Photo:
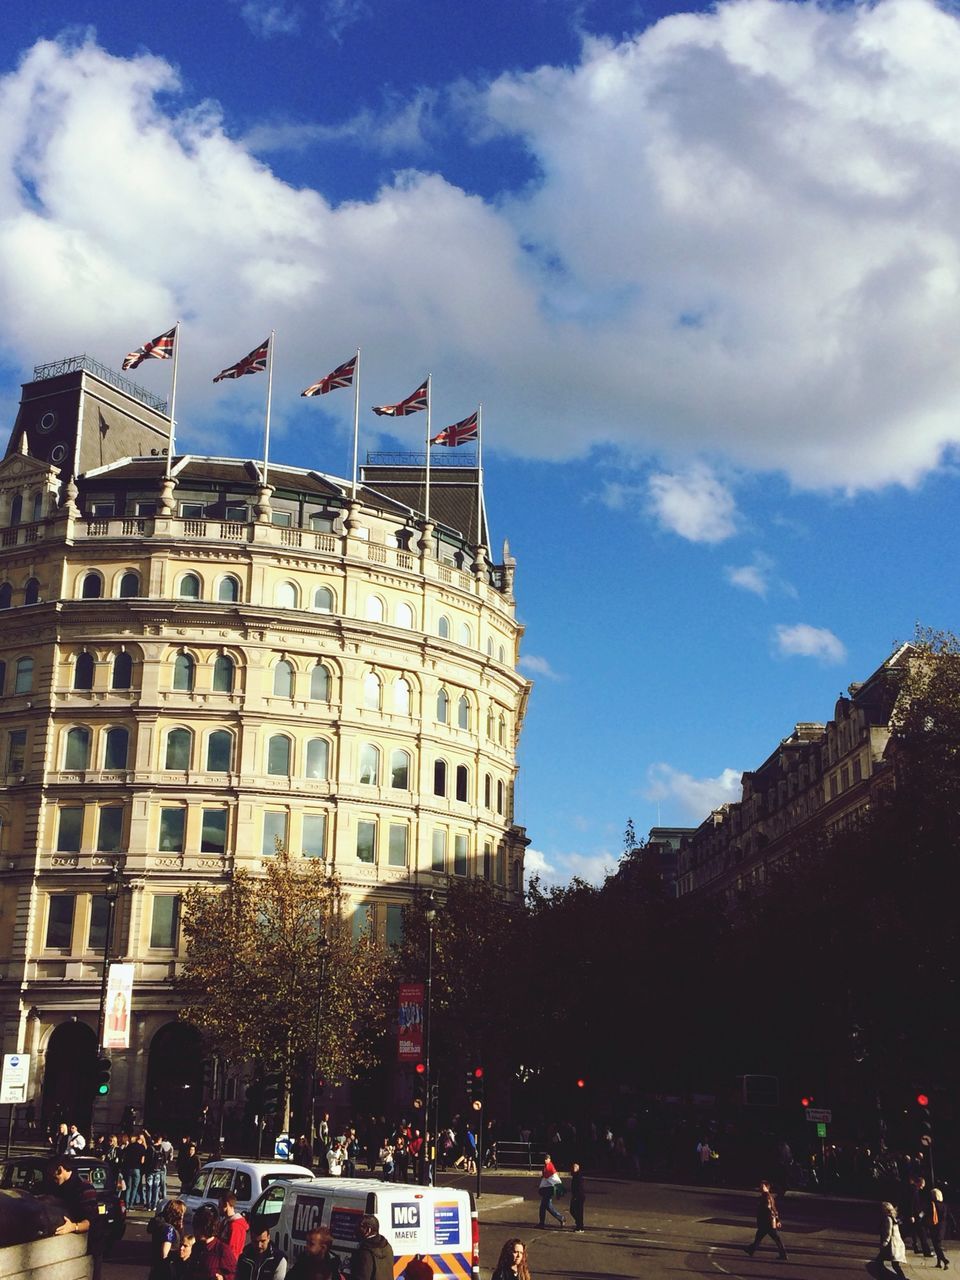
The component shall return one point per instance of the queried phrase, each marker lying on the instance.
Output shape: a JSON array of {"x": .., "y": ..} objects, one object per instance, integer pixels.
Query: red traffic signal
[
  {"x": 807, "y": 1102},
  {"x": 420, "y": 1068},
  {"x": 478, "y": 1073},
  {"x": 581, "y": 1083},
  {"x": 922, "y": 1100}
]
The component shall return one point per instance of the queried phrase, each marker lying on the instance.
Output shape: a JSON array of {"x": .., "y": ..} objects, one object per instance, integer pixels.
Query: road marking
[
  {"x": 715, "y": 1263},
  {"x": 500, "y": 1204}
]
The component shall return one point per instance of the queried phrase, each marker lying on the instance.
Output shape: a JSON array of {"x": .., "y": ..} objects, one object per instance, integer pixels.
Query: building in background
[{"x": 195, "y": 664}]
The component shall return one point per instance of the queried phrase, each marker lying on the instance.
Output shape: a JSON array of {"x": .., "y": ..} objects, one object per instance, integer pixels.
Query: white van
[{"x": 439, "y": 1223}]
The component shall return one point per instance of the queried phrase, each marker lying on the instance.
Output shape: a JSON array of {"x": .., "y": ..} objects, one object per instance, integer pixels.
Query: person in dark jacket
[
  {"x": 77, "y": 1198},
  {"x": 577, "y": 1196},
  {"x": 209, "y": 1258},
  {"x": 372, "y": 1259},
  {"x": 188, "y": 1166},
  {"x": 768, "y": 1221},
  {"x": 261, "y": 1260},
  {"x": 512, "y": 1263},
  {"x": 317, "y": 1261},
  {"x": 936, "y": 1212}
]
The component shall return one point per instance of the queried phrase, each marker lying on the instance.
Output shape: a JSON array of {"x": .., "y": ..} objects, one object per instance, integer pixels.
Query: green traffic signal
[{"x": 104, "y": 1066}]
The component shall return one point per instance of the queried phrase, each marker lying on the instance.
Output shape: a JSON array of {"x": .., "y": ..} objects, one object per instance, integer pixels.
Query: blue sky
[{"x": 701, "y": 267}]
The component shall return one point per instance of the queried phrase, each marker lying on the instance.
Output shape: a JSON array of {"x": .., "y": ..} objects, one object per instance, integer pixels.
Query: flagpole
[
  {"x": 429, "y": 398},
  {"x": 266, "y": 430},
  {"x": 479, "y": 473},
  {"x": 356, "y": 423},
  {"x": 173, "y": 397}
]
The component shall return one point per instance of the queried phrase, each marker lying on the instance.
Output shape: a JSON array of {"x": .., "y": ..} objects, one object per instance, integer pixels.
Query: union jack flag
[
  {"x": 159, "y": 349},
  {"x": 459, "y": 433},
  {"x": 415, "y": 401},
  {"x": 342, "y": 376},
  {"x": 255, "y": 362}
]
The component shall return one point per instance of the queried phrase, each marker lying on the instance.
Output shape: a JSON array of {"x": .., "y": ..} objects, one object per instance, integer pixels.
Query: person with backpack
[{"x": 153, "y": 1162}]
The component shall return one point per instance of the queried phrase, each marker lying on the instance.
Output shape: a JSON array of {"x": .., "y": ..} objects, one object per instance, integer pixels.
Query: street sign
[
  {"x": 13, "y": 1082},
  {"x": 820, "y": 1115},
  {"x": 821, "y": 1130},
  {"x": 283, "y": 1147}
]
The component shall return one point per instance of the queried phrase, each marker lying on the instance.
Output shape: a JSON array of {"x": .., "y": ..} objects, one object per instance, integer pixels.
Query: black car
[{"x": 26, "y": 1173}]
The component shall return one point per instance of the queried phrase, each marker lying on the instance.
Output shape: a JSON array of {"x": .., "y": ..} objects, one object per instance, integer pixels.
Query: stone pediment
[{"x": 19, "y": 469}]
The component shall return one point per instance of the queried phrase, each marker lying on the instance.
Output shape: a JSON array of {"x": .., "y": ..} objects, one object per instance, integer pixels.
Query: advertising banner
[
  {"x": 116, "y": 1023},
  {"x": 410, "y": 1022}
]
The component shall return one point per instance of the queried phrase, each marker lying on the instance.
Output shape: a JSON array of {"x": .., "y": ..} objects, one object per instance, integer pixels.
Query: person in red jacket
[
  {"x": 210, "y": 1258},
  {"x": 233, "y": 1225}
]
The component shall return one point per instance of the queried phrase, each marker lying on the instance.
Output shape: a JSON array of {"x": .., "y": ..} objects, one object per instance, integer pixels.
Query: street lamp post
[
  {"x": 321, "y": 975},
  {"x": 430, "y": 1136},
  {"x": 114, "y": 880}
]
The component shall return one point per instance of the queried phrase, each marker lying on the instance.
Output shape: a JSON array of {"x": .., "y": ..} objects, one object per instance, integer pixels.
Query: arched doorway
[
  {"x": 174, "y": 1094},
  {"x": 68, "y": 1076}
]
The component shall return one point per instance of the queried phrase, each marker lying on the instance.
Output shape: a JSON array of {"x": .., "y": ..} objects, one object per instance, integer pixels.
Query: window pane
[
  {"x": 369, "y": 764},
  {"x": 70, "y": 828},
  {"x": 171, "y": 830},
  {"x": 228, "y": 591},
  {"x": 397, "y": 856},
  {"x": 219, "y": 751},
  {"x": 60, "y": 920},
  {"x": 443, "y": 627},
  {"x": 487, "y": 861},
  {"x": 371, "y": 691},
  {"x": 462, "y": 781},
  {"x": 439, "y": 849},
  {"x": 83, "y": 671},
  {"x": 163, "y": 924},
  {"x": 463, "y": 713},
  {"x": 115, "y": 755},
  {"x": 362, "y": 922},
  {"x": 110, "y": 829},
  {"x": 190, "y": 587},
  {"x": 129, "y": 586},
  {"x": 285, "y": 595},
  {"x": 317, "y": 758},
  {"x": 278, "y": 756},
  {"x": 374, "y": 609},
  {"x": 459, "y": 855},
  {"x": 439, "y": 778},
  {"x": 223, "y": 675},
  {"x": 323, "y": 600},
  {"x": 401, "y": 698},
  {"x": 314, "y": 835},
  {"x": 237, "y": 513},
  {"x": 213, "y": 832},
  {"x": 92, "y": 587},
  {"x": 77, "y": 754},
  {"x": 400, "y": 770},
  {"x": 394, "y": 925},
  {"x": 442, "y": 702},
  {"x": 183, "y": 672},
  {"x": 178, "y": 749},
  {"x": 16, "y": 750},
  {"x": 320, "y": 683},
  {"x": 366, "y": 841},
  {"x": 284, "y": 518},
  {"x": 24, "y": 677},
  {"x": 122, "y": 676},
  {"x": 274, "y": 829},
  {"x": 283, "y": 680},
  {"x": 99, "y": 914}
]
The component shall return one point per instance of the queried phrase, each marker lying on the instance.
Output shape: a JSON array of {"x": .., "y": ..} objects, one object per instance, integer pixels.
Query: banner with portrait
[
  {"x": 116, "y": 1022},
  {"x": 410, "y": 1022}
]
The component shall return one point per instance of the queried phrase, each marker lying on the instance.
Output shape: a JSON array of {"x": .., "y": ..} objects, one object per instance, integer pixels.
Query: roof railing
[{"x": 72, "y": 364}]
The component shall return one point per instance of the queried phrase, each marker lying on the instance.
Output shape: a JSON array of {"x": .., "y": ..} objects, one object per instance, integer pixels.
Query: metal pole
[
  {"x": 429, "y": 1141},
  {"x": 322, "y": 957},
  {"x": 10, "y": 1130},
  {"x": 480, "y": 1142},
  {"x": 113, "y": 893}
]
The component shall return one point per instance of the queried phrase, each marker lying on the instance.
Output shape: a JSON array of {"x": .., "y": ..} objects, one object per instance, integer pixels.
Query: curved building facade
[{"x": 199, "y": 661}]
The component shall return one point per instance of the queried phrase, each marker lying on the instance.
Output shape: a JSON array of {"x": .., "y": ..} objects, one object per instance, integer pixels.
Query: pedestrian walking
[
  {"x": 892, "y": 1248},
  {"x": 768, "y": 1222},
  {"x": 512, "y": 1263},
  {"x": 549, "y": 1182},
  {"x": 188, "y": 1166},
  {"x": 578, "y": 1196},
  {"x": 372, "y": 1259},
  {"x": 936, "y": 1216},
  {"x": 132, "y": 1160},
  {"x": 152, "y": 1165}
]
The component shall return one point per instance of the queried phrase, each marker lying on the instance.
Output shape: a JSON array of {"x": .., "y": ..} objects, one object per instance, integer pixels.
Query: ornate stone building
[{"x": 195, "y": 663}]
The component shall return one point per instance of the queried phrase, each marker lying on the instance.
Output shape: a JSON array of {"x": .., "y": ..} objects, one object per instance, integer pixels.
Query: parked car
[
  {"x": 27, "y": 1173},
  {"x": 246, "y": 1179}
]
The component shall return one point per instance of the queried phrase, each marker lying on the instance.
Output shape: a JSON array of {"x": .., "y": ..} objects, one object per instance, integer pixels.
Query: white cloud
[
  {"x": 694, "y": 504},
  {"x": 696, "y": 797},
  {"x": 398, "y": 127},
  {"x": 270, "y": 17},
  {"x": 536, "y": 666},
  {"x": 754, "y": 577},
  {"x": 561, "y": 868},
  {"x": 740, "y": 245},
  {"x": 804, "y": 641}
]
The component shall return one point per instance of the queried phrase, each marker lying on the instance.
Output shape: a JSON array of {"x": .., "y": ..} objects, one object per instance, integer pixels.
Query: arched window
[
  {"x": 23, "y": 680},
  {"x": 117, "y": 743},
  {"x": 121, "y": 677},
  {"x": 83, "y": 671},
  {"x": 219, "y": 751},
  {"x": 92, "y": 587},
  {"x": 517, "y": 876},
  {"x": 77, "y": 754},
  {"x": 401, "y": 697},
  {"x": 228, "y": 590},
  {"x": 6, "y": 595},
  {"x": 189, "y": 587},
  {"x": 318, "y": 756},
  {"x": 400, "y": 770},
  {"x": 501, "y": 654},
  {"x": 491, "y": 724},
  {"x": 405, "y": 615},
  {"x": 223, "y": 674},
  {"x": 463, "y": 633},
  {"x": 487, "y": 791},
  {"x": 443, "y": 706},
  {"x": 16, "y": 509},
  {"x": 369, "y": 764},
  {"x": 278, "y": 756},
  {"x": 501, "y": 731},
  {"x": 323, "y": 600},
  {"x": 179, "y": 742},
  {"x": 129, "y": 585},
  {"x": 499, "y": 795},
  {"x": 283, "y": 679},
  {"x": 374, "y": 609},
  {"x": 439, "y": 777},
  {"x": 286, "y": 595},
  {"x": 183, "y": 672},
  {"x": 320, "y": 683},
  {"x": 463, "y": 712},
  {"x": 443, "y": 627},
  {"x": 37, "y": 506},
  {"x": 489, "y": 646},
  {"x": 371, "y": 691},
  {"x": 3, "y": 678},
  {"x": 462, "y": 782},
  {"x": 31, "y": 592}
]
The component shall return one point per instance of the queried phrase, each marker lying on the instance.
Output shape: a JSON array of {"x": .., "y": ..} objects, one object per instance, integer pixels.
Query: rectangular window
[
  {"x": 283, "y": 518},
  {"x": 366, "y": 841},
  {"x": 101, "y": 510},
  {"x": 60, "y": 921},
  {"x": 145, "y": 508},
  {"x": 16, "y": 750},
  {"x": 857, "y": 769},
  {"x": 399, "y": 834},
  {"x": 192, "y": 510},
  {"x": 213, "y": 831},
  {"x": 833, "y": 785},
  {"x": 488, "y": 860},
  {"x": 844, "y": 778},
  {"x": 394, "y": 925},
  {"x": 274, "y": 829},
  {"x": 314, "y": 835},
  {"x": 99, "y": 915},
  {"x": 237, "y": 513},
  {"x": 321, "y": 524},
  {"x": 459, "y": 855},
  {"x": 501, "y": 866},
  {"x": 110, "y": 829},
  {"x": 362, "y": 921},
  {"x": 171, "y": 830},
  {"x": 164, "y": 921},
  {"x": 439, "y": 850},
  {"x": 70, "y": 829}
]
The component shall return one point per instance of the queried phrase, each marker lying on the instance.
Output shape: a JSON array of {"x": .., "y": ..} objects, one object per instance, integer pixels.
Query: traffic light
[
  {"x": 469, "y": 1085},
  {"x": 923, "y": 1117},
  {"x": 420, "y": 1086},
  {"x": 102, "y": 1078},
  {"x": 581, "y": 1083},
  {"x": 807, "y": 1101},
  {"x": 321, "y": 1087},
  {"x": 272, "y": 1084},
  {"x": 477, "y": 1088}
]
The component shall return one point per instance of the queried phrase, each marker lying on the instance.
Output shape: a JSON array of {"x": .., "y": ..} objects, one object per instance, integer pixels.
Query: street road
[{"x": 643, "y": 1231}]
